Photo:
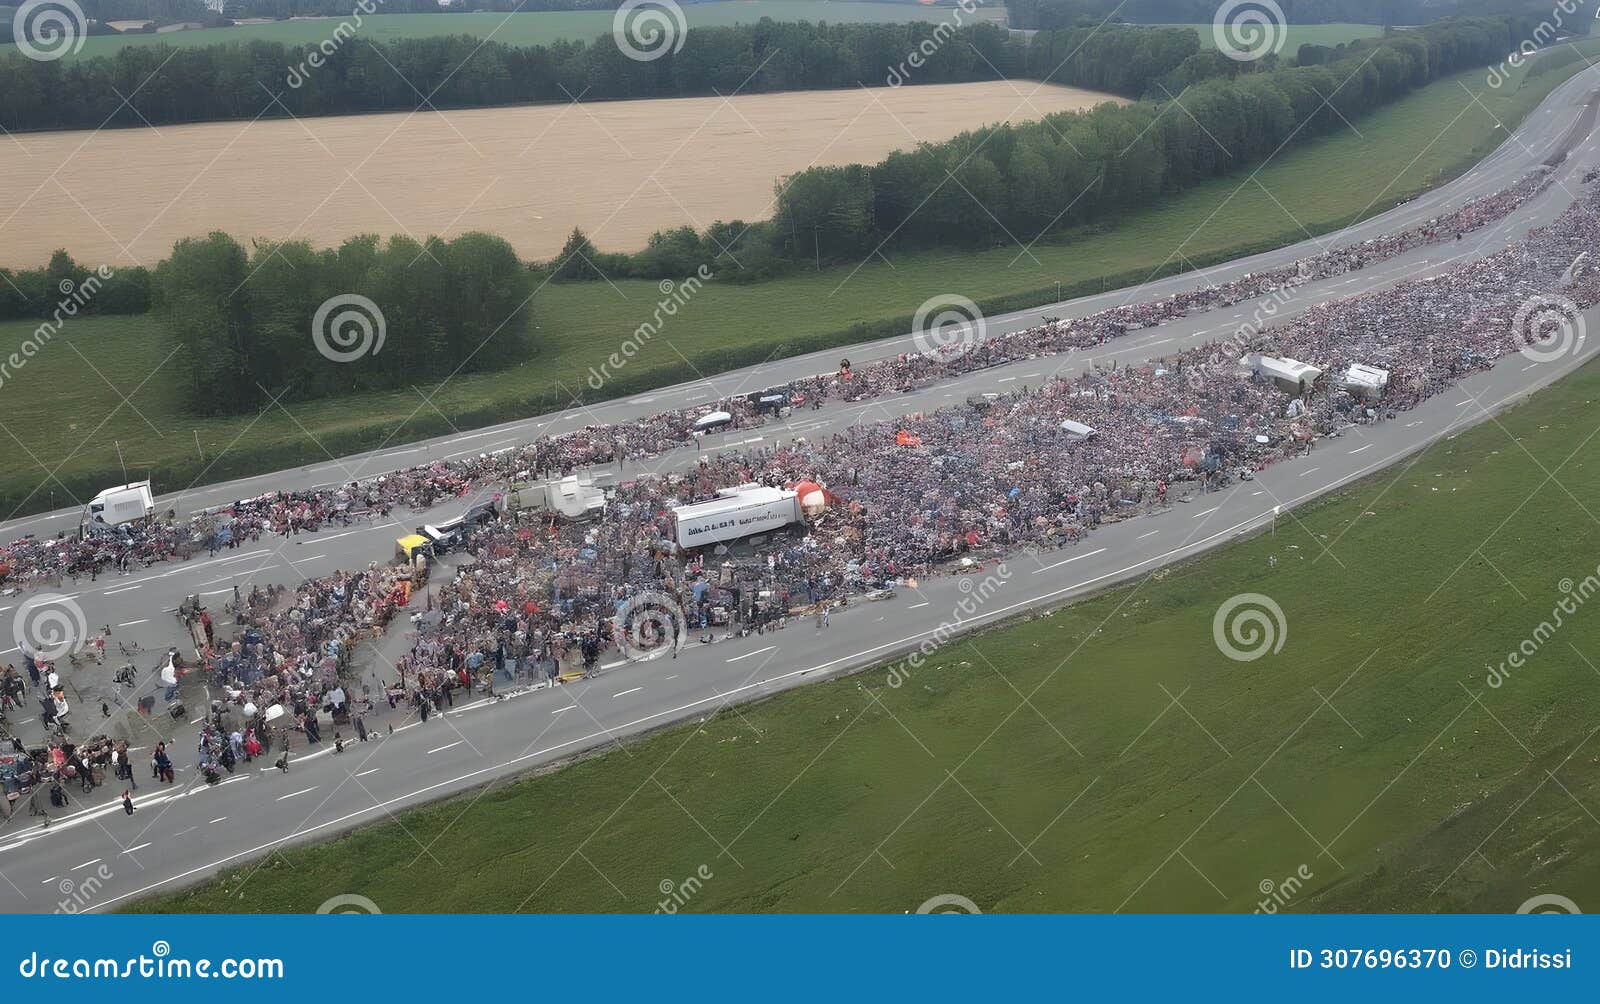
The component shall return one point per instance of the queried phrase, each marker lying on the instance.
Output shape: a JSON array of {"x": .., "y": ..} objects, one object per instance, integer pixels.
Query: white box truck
[
  {"x": 735, "y": 513},
  {"x": 122, "y": 504}
]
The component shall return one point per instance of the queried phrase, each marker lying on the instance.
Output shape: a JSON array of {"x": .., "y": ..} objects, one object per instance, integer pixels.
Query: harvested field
[{"x": 620, "y": 170}]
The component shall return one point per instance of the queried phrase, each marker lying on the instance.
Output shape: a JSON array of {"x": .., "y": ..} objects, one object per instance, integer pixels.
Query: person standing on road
[
  {"x": 127, "y": 803},
  {"x": 162, "y": 763}
]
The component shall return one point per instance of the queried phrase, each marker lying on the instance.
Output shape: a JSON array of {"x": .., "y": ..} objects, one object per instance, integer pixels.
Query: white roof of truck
[
  {"x": 1281, "y": 367},
  {"x": 732, "y": 498}
]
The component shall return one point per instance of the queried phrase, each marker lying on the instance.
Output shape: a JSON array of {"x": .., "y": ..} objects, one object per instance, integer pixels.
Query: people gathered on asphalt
[{"x": 540, "y": 598}]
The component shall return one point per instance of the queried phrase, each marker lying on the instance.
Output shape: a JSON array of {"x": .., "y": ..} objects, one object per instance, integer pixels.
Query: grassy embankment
[
  {"x": 68, "y": 418},
  {"x": 1370, "y": 753}
]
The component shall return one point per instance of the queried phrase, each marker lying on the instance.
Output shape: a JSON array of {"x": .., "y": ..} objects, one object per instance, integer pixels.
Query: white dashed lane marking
[
  {"x": 292, "y": 794},
  {"x": 631, "y": 690},
  {"x": 1068, "y": 561},
  {"x": 749, "y": 654},
  {"x": 447, "y": 746}
]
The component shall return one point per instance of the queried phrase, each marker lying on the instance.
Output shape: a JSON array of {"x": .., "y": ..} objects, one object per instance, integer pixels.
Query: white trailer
[
  {"x": 122, "y": 504},
  {"x": 1076, "y": 429},
  {"x": 735, "y": 513},
  {"x": 1365, "y": 381},
  {"x": 1291, "y": 375}
]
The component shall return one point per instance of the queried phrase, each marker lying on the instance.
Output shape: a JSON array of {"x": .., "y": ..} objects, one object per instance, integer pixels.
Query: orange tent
[{"x": 905, "y": 438}]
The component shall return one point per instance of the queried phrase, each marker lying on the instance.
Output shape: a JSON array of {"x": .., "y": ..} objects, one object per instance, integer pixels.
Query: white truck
[
  {"x": 573, "y": 497},
  {"x": 734, "y": 513},
  {"x": 122, "y": 504}
]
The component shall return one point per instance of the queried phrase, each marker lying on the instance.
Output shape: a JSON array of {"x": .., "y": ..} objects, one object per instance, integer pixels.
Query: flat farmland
[{"x": 620, "y": 170}]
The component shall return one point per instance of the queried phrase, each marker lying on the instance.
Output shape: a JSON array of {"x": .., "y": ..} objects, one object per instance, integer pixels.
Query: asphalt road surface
[{"x": 184, "y": 833}]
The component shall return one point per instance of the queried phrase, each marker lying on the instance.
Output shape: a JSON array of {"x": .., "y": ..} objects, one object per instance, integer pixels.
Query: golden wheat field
[{"x": 620, "y": 170}]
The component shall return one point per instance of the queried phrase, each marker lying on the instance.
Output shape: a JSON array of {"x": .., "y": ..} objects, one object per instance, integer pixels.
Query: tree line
[
  {"x": 226, "y": 81},
  {"x": 288, "y": 319},
  {"x": 1070, "y": 13},
  {"x": 35, "y": 293},
  {"x": 1020, "y": 182}
]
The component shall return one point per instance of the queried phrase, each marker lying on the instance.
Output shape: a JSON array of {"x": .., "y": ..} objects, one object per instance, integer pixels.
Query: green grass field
[
  {"x": 1369, "y": 753},
  {"x": 520, "y": 28},
  {"x": 1300, "y": 34},
  {"x": 62, "y": 422}
]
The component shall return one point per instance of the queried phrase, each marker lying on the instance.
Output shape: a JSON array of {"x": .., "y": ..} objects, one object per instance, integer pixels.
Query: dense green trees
[
  {"x": 1069, "y": 13},
  {"x": 1017, "y": 182},
  {"x": 35, "y": 293},
  {"x": 226, "y": 81},
  {"x": 309, "y": 323}
]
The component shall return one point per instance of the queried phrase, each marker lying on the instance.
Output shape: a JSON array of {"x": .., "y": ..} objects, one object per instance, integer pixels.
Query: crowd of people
[
  {"x": 32, "y": 560},
  {"x": 977, "y": 479},
  {"x": 910, "y": 497}
]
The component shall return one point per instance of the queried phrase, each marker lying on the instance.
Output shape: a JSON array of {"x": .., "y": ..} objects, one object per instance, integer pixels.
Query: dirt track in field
[{"x": 620, "y": 170}]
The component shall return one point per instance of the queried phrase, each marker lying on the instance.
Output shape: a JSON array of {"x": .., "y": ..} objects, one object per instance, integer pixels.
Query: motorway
[{"x": 186, "y": 833}]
